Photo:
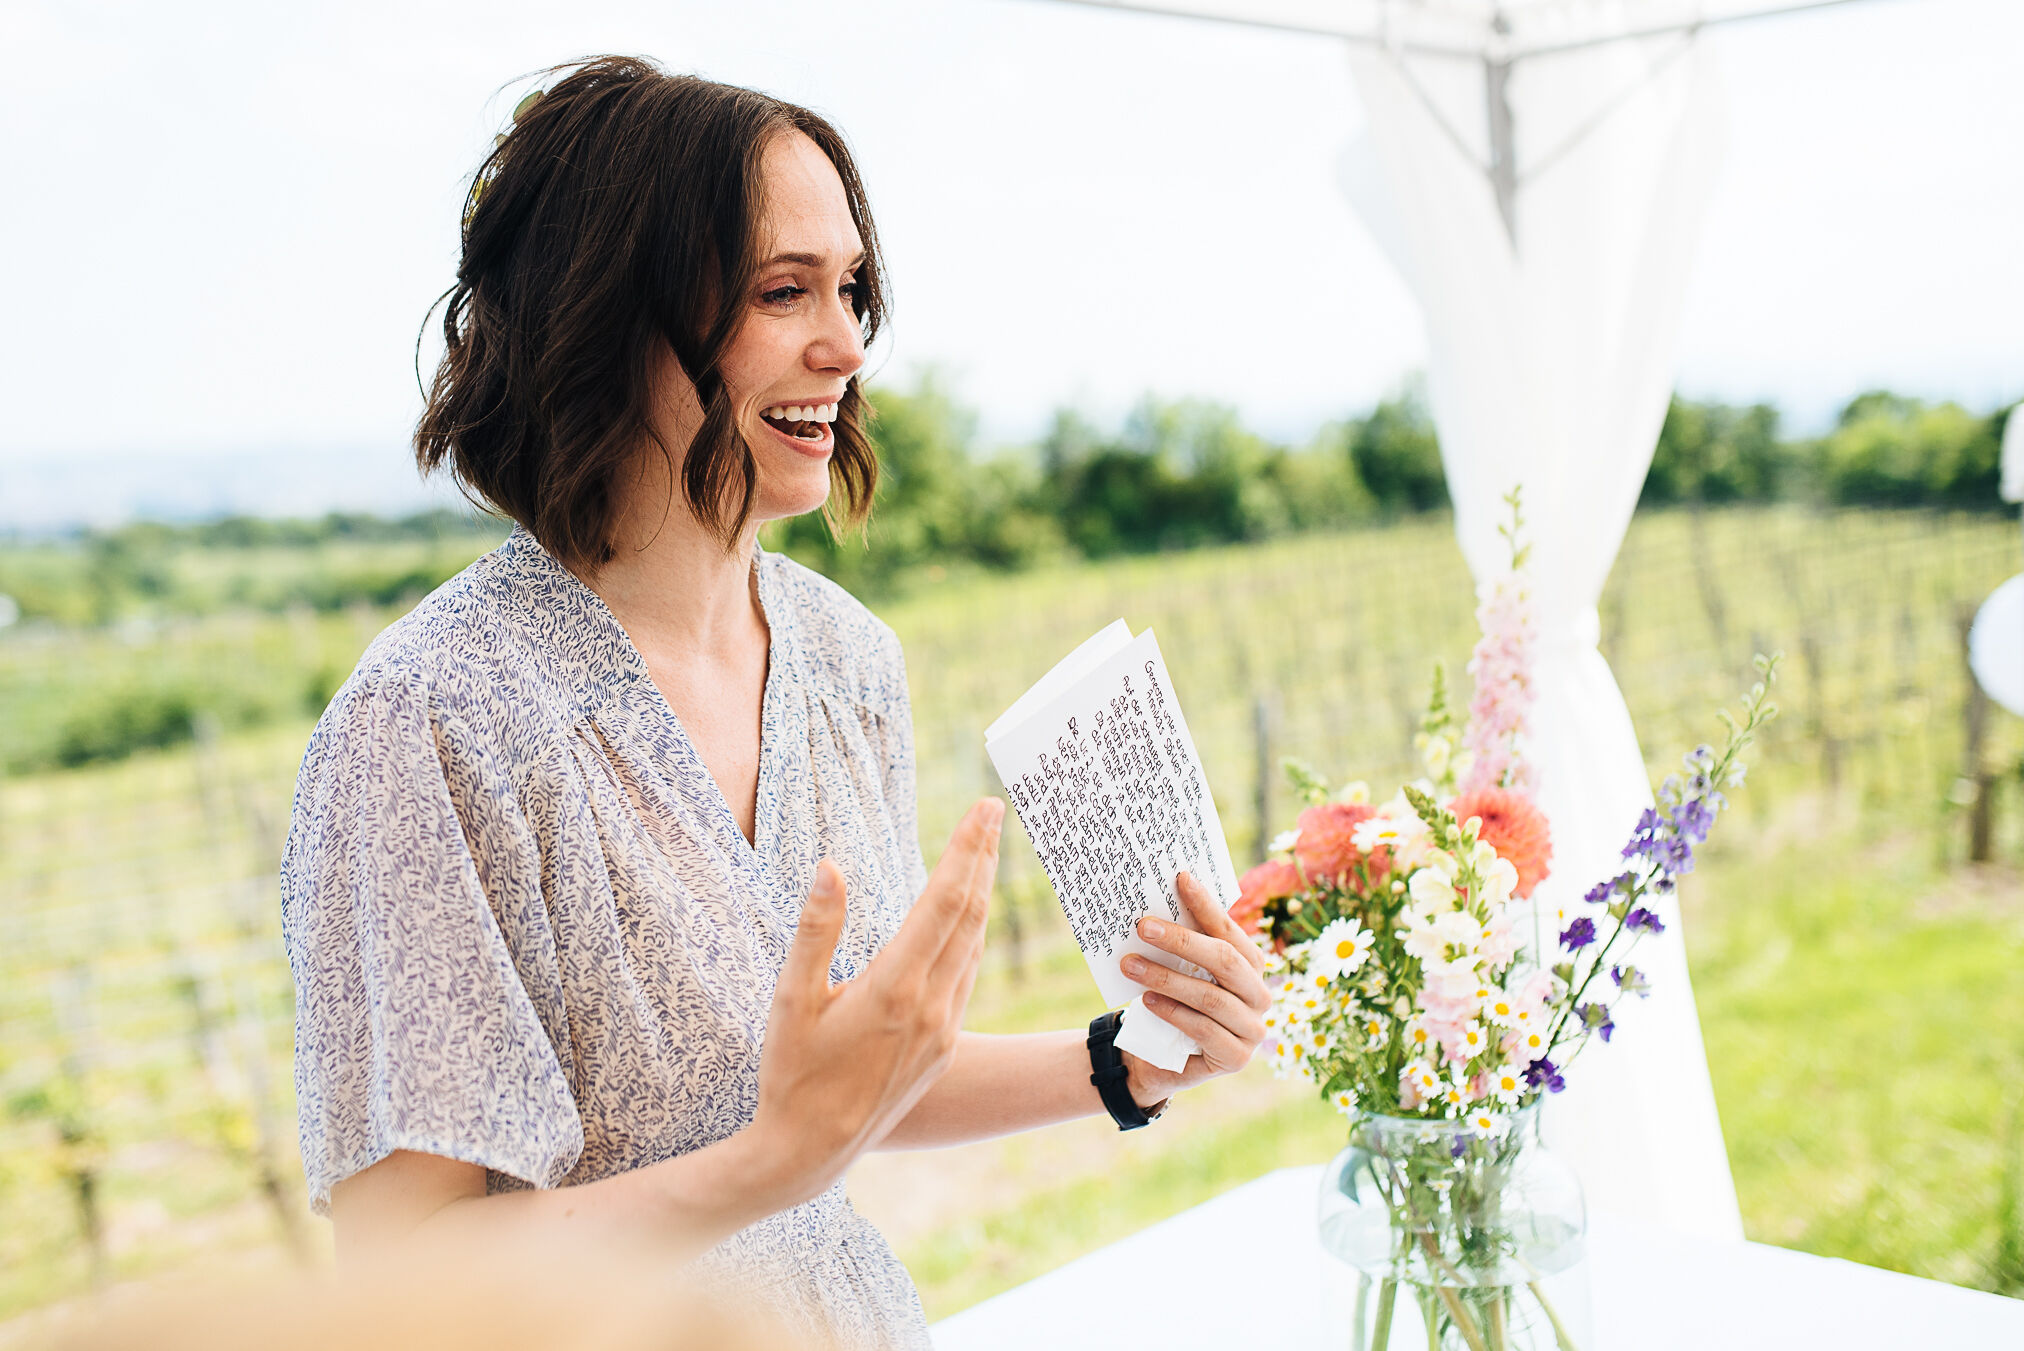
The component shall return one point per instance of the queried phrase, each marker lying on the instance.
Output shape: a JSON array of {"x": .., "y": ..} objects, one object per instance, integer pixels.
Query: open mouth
[{"x": 803, "y": 422}]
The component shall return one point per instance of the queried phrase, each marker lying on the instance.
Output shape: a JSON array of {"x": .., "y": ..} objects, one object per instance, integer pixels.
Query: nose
[{"x": 838, "y": 346}]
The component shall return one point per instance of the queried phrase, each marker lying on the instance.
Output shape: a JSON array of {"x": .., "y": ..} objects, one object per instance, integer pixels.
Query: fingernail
[
  {"x": 1152, "y": 928},
  {"x": 824, "y": 889},
  {"x": 1134, "y": 966}
]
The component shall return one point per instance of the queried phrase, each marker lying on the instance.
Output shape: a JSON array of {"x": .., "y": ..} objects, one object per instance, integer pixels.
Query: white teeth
[{"x": 801, "y": 412}]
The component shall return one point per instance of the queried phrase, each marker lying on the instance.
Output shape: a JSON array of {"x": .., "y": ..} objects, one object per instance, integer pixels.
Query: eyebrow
[{"x": 808, "y": 259}]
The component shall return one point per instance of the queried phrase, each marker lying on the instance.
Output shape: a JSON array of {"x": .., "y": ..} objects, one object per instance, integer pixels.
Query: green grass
[
  {"x": 1864, "y": 1018},
  {"x": 1859, "y": 997}
]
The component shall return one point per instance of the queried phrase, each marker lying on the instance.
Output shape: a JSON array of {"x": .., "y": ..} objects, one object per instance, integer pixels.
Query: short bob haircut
[{"x": 616, "y": 220}]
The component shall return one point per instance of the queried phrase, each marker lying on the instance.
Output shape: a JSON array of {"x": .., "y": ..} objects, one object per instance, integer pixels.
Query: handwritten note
[{"x": 1097, "y": 760}]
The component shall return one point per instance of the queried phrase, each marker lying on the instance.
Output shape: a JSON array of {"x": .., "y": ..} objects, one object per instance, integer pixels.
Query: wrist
[
  {"x": 767, "y": 1173},
  {"x": 1136, "y": 1081}
]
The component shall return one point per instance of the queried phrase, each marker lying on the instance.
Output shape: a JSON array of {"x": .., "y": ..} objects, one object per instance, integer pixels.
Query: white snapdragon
[{"x": 1433, "y": 887}]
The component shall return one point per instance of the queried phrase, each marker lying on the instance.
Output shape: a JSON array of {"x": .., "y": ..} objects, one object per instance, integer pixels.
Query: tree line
[
  {"x": 1172, "y": 475},
  {"x": 1186, "y": 473}
]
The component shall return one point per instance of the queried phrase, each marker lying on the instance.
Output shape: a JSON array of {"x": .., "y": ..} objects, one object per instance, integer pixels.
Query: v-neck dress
[{"x": 527, "y": 931}]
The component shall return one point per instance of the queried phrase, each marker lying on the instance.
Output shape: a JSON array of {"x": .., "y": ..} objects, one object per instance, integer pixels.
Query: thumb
[{"x": 808, "y": 957}]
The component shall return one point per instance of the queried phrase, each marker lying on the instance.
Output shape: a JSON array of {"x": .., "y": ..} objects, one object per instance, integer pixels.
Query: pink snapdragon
[{"x": 1502, "y": 666}]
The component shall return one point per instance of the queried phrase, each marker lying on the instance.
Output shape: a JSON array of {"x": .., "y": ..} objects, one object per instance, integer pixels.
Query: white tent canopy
[{"x": 1537, "y": 171}]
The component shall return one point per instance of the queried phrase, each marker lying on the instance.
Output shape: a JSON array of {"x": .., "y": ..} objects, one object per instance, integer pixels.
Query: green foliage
[
  {"x": 1713, "y": 452},
  {"x": 1891, "y": 451},
  {"x": 120, "y": 722},
  {"x": 1397, "y": 455},
  {"x": 936, "y": 507},
  {"x": 151, "y": 570}
]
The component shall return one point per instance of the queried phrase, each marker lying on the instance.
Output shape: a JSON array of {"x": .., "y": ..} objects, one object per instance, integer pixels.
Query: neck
[{"x": 672, "y": 583}]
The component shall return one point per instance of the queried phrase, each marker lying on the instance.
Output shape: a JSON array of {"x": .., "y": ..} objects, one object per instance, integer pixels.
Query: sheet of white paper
[
  {"x": 1098, "y": 762},
  {"x": 1106, "y": 642}
]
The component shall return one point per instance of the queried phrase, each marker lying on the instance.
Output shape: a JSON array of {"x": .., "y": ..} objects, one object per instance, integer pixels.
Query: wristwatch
[{"x": 1108, "y": 1073}]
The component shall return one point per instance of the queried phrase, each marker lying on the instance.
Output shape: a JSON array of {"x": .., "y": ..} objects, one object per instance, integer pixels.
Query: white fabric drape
[{"x": 1550, "y": 366}]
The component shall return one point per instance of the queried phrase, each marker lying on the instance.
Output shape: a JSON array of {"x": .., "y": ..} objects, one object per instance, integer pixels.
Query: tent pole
[{"x": 1503, "y": 144}]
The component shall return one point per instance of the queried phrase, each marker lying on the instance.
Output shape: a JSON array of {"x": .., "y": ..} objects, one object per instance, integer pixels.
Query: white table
[{"x": 1245, "y": 1271}]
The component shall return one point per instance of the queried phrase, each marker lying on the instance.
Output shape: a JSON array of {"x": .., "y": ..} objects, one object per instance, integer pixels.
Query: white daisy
[
  {"x": 1283, "y": 841},
  {"x": 1501, "y": 1008},
  {"x": 1420, "y": 1077},
  {"x": 1487, "y": 1124},
  {"x": 1342, "y": 947},
  {"x": 1506, "y": 1086},
  {"x": 1388, "y": 832},
  {"x": 1472, "y": 1041},
  {"x": 1345, "y": 1102}
]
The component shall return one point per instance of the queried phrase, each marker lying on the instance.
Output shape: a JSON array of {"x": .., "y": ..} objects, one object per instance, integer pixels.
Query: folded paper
[{"x": 1098, "y": 763}]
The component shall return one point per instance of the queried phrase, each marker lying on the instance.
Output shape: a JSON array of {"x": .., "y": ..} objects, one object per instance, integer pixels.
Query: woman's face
[{"x": 801, "y": 341}]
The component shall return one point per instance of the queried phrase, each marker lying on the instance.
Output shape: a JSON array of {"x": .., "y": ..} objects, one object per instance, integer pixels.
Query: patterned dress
[{"x": 527, "y": 932}]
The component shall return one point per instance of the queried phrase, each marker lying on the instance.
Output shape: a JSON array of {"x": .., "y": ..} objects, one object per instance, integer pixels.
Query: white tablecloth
[{"x": 1245, "y": 1271}]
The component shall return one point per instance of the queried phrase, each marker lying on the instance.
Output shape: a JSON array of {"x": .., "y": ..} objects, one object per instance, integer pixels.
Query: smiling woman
[
  {"x": 615, "y": 234},
  {"x": 603, "y": 893}
]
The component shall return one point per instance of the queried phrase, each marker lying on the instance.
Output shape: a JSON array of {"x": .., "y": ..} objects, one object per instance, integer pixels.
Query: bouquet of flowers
[{"x": 1408, "y": 998}]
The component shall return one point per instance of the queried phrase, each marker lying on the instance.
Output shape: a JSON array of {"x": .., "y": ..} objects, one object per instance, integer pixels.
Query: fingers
[
  {"x": 1223, "y": 1049},
  {"x": 946, "y": 900},
  {"x": 955, "y": 968},
  {"x": 1221, "y": 958},
  {"x": 1215, "y": 921},
  {"x": 1222, "y": 1006},
  {"x": 806, "y": 970}
]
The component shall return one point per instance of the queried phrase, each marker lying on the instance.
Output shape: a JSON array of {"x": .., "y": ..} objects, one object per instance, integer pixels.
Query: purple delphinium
[
  {"x": 1544, "y": 1072},
  {"x": 1660, "y": 851}
]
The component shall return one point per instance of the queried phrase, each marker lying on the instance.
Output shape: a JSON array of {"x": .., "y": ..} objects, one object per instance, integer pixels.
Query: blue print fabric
[{"x": 527, "y": 932}]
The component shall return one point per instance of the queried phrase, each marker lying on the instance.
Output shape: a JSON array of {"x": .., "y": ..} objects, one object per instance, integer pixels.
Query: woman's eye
[
  {"x": 850, "y": 290},
  {"x": 782, "y": 295}
]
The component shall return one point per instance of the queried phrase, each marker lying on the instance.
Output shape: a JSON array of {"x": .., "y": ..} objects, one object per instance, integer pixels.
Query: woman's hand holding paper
[{"x": 1225, "y": 1016}]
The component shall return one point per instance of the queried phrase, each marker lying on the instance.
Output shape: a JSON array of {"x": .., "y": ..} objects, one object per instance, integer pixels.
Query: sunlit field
[{"x": 1861, "y": 987}]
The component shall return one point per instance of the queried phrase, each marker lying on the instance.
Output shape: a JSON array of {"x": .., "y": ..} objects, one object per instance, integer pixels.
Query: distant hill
[{"x": 41, "y": 495}]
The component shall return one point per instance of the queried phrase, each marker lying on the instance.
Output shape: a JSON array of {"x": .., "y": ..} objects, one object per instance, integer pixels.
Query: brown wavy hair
[{"x": 618, "y": 220}]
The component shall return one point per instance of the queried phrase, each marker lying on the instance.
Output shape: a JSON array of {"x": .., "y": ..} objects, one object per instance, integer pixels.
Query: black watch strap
[{"x": 1107, "y": 1071}]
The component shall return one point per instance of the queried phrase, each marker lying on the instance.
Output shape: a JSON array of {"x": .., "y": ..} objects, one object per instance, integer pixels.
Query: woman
[{"x": 603, "y": 893}]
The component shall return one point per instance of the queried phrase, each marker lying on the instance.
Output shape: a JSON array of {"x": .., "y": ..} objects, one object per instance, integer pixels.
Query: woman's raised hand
[{"x": 844, "y": 1063}]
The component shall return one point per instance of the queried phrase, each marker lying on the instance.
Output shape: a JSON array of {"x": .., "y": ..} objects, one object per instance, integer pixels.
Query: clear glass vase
[{"x": 1460, "y": 1242}]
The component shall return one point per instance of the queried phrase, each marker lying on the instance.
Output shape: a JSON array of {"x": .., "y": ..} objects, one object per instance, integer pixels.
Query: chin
[{"x": 776, "y": 500}]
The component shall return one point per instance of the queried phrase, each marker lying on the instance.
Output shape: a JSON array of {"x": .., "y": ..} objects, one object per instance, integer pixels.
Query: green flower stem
[
  {"x": 1387, "y": 1296},
  {"x": 1560, "y": 1333},
  {"x": 1464, "y": 1322}
]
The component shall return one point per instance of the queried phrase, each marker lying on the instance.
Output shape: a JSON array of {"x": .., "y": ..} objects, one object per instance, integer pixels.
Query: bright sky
[{"x": 221, "y": 223}]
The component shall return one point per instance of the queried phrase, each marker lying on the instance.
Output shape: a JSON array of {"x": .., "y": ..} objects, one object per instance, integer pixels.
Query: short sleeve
[
  {"x": 415, "y": 1028},
  {"x": 897, "y": 767}
]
